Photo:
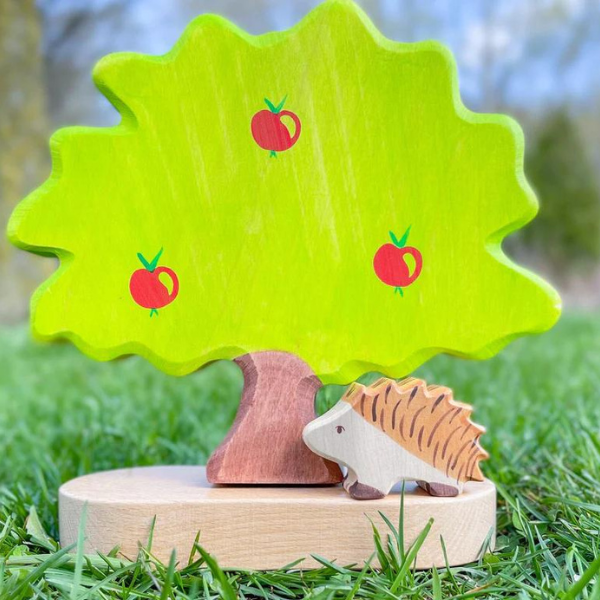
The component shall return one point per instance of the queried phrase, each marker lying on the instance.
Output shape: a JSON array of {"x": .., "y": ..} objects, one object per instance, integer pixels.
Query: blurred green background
[{"x": 535, "y": 60}]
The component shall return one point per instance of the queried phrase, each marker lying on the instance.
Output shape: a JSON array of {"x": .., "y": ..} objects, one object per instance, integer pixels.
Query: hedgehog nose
[{"x": 308, "y": 434}]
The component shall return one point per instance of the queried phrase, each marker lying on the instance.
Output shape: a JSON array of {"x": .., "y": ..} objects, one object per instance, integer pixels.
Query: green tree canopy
[{"x": 266, "y": 227}]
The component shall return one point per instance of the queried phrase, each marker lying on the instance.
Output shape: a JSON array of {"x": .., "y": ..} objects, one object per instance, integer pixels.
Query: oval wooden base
[{"x": 264, "y": 527}]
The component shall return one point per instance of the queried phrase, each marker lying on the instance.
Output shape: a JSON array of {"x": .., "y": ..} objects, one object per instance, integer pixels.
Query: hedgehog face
[{"x": 325, "y": 435}]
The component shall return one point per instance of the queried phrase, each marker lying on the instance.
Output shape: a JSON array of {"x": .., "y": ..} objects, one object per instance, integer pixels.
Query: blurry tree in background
[
  {"x": 536, "y": 60},
  {"x": 567, "y": 229},
  {"x": 24, "y": 159}
]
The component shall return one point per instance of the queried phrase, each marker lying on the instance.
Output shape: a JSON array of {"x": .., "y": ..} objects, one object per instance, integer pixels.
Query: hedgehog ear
[{"x": 353, "y": 393}]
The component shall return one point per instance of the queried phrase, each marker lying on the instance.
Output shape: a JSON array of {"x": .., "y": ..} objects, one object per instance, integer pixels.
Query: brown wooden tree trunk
[{"x": 264, "y": 444}]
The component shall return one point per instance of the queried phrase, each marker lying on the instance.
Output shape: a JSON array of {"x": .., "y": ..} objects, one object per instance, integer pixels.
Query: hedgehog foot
[
  {"x": 361, "y": 491},
  {"x": 438, "y": 489}
]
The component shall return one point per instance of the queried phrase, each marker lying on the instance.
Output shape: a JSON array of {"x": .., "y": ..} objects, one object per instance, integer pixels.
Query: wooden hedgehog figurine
[{"x": 399, "y": 430}]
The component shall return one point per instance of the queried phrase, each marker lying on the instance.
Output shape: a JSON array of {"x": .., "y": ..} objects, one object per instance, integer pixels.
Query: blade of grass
[
  {"x": 411, "y": 555},
  {"x": 226, "y": 591},
  {"x": 79, "y": 554},
  {"x": 577, "y": 588}
]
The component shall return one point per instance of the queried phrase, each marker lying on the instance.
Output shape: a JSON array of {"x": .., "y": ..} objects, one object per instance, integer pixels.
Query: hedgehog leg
[
  {"x": 439, "y": 489},
  {"x": 350, "y": 479}
]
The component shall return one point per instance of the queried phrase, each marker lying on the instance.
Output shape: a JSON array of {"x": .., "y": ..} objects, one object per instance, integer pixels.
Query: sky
[{"x": 523, "y": 43}]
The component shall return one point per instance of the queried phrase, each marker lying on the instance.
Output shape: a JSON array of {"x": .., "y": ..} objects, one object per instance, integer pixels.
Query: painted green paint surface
[{"x": 276, "y": 253}]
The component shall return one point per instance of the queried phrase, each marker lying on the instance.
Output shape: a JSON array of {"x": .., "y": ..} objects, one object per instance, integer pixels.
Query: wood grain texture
[
  {"x": 391, "y": 431},
  {"x": 264, "y": 527},
  {"x": 278, "y": 253},
  {"x": 264, "y": 444}
]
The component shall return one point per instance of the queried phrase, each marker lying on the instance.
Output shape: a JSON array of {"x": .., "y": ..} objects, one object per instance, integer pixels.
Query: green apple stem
[
  {"x": 143, "y": 261},
  {"x": 150, "y": 266},
  {"x": 275, "y": 109}
]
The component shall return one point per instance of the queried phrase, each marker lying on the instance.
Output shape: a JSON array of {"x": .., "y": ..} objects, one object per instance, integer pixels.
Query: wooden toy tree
[{"x": 314, "y": 204}]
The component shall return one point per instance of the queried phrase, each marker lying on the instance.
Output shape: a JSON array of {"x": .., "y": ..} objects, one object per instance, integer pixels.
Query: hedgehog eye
[{"x": 340, "y": 428}]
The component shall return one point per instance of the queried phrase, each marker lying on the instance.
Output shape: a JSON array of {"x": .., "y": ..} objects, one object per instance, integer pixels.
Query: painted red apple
[
  {"x": 148, "y": 290},
  {"x": 390, "y": 263},
  {"x": 270, "y": 132}
]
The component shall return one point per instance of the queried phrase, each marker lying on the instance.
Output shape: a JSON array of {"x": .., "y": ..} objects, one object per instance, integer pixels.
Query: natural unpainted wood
[
  {"x": 391, "y": 431},
  {"x": 265, "y": 527},
  {"x": 264, "y": 444}
]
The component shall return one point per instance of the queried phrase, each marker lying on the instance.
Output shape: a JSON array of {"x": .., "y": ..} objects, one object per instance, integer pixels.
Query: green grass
[{"x": 62, "y": 415}]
